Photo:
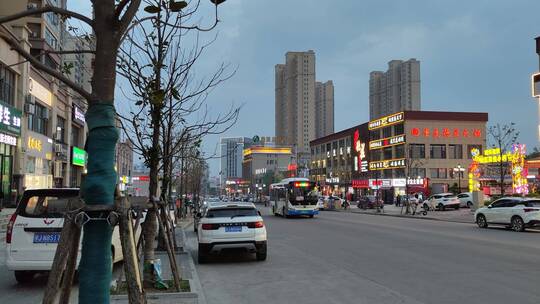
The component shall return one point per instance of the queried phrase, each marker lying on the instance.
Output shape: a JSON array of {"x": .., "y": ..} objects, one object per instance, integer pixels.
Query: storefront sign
[
  {"x": 260, "y": 171},
  {"x": 292, "y": 167},
  {"x": 360, "y": 160},
  {"x": 387, "y": 142},
  {"x": 387, "y": 164},
  {"x": 10, "y": 119},
  {"x": 380, "y": 183},
  {"x": 141, "y": 178},
  {"x": 399, "y": 182},
  {"x": 34, "y": 144},
  {"x": 360, "y": 183},
  {"x": 416, "y": 182},
  {"x": 386, "y": 121},
  {"x": 78, "y": 115},
  {"x": 446, "y": 132},
  {"x": 8, "y": 139},
  {"x": 78, "y": 157},
  {"x": 39, "y": 91}
]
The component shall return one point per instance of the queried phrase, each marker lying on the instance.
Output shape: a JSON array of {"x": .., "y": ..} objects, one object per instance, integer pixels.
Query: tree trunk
[{"x": 99, "y": 185}]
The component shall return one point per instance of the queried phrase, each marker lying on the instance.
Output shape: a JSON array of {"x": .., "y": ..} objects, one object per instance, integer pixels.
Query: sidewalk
[{"x": 462, "y": 215}]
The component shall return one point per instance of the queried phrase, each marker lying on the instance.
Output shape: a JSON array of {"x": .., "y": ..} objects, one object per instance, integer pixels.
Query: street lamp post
[{"x": 459, "y": 169}]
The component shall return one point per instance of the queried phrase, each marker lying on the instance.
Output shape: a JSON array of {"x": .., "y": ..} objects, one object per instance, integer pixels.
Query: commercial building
[
  {"x": 263, "y": 165},
  {"x": 419, "y": 151},
  {"x": 397, "y": 89},
  {"x": 43, "y": 120},
  {"x": 231, "y": 158},
  {"x": 304, "y": 109}
]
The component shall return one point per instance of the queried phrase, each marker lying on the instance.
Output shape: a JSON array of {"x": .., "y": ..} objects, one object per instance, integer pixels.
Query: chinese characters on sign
[
  {"x": 78, "y": 115},
  {"x": 10, "y": 119},
  {"x": 387, "y": 142},
  {"x": 360, "y": 161},
  {"x": 387, "y": 164},
  {"x": 386, "y": 121},
  {"x": 34, "y": 144},
  {"x": 445, "y": 132},
  {"x": 8, "y": 139}
]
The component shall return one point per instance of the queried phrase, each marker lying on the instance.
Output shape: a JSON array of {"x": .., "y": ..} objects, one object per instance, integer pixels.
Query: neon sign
[
  {"x": 387, "y": 164},
  {"x": 446, "y": 132},
  {"x": 360, "y": 161},
  {"x": 301, "y": 184},
  {"x": 387, "y": 142},
  {"x": 386, "y": 121}
]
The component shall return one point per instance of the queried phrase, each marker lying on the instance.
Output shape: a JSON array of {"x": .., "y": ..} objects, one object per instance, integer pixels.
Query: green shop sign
[
  {"x": 78, "y": 157},
  {"x": 10, "y": 119}
]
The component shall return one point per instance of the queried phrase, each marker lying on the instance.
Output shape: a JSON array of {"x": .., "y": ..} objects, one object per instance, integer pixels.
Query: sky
[{"x": 475, "y": 56}]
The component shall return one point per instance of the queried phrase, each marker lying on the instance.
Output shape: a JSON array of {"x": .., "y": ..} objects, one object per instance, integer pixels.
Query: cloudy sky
[{"x": 475, "y": 55}]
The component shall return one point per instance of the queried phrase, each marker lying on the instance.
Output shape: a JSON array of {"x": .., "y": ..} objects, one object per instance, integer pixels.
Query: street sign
[{"x": 535, "y": 80}]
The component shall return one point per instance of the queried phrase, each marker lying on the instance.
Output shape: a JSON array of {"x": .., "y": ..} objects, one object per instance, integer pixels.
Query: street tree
[
  {"x": 109, "y": 23},
  {"x": 167, "y": 103},
  {"x": 502, "y": 137}
]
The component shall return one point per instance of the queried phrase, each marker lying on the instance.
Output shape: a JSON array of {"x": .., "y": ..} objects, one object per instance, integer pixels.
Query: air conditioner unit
[
  {"x": 31, "y": 6},
  {"x": 29, "y": 98},
  {"x": 29, "y": 108},
  {"x": 57, "y": 169},
  {"x": 58, "y": 148}
]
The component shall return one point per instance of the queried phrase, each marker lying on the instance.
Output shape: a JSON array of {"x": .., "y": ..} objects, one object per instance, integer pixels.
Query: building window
[
  {"x": 417, "y": 151},
  {"x": 60, "y": 129},
  {"x": 437, "y": 151},
  {"x": 438, "y": 172},
  {"x": 400, "y": 151},
  {"x": 417, "y": 172},
  {"x": 387, "y": 153},
  {"x": 471, "y": 147},
  {"x": 38, "y": 121},
  {"x": 398, "y": 129},
  {"x": 455, "y": 151},
  {"x": 75, "y": 136},
  {"x": 51, "y": 40},
  {"x": 7, "y": 85},
  {"x": 387, "y": 132}
]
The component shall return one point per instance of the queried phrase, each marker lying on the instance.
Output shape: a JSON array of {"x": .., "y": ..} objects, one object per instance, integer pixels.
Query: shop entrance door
[{"x": 6, "y": 170}]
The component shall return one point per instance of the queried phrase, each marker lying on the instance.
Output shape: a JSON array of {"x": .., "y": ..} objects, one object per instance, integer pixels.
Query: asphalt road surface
[{"x": 351, "y": 258}]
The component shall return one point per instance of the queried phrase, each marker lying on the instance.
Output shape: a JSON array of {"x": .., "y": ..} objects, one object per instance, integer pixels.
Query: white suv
[
  {"x": 514, "y": 212},
  {"x": 442, "y": 201},
  {"x": 231, "y": 225},
  {"x": 34, "y": 230}
]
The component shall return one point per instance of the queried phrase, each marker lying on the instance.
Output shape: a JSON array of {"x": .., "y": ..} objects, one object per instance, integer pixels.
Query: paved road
[{"x": 352, "y": 258}]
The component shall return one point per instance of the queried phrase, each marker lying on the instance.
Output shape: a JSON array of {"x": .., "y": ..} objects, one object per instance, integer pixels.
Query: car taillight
[
  {"x": 10, "y": 225},
  {"x": 530, "y": 209},
  {"x": 258, "y": 224},
  {"x": 210, "y": 226}
]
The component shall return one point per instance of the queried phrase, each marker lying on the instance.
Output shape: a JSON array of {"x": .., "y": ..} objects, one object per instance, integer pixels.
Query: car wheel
[
  {"x": 469, "y": 205},
  {"x": 481, "y": 221},
  {"x": 441, "y": 207},
  {"x": 517, "y": 224},
  {"x": 202, "y": 255},
  {"x": 261, "y": 253},
  {"x": 24, "y": 277}
]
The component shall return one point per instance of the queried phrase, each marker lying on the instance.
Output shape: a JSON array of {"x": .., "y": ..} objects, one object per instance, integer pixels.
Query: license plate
[
  {"x": 233, "y": 229},
  {"x": 46, "y": 237}
]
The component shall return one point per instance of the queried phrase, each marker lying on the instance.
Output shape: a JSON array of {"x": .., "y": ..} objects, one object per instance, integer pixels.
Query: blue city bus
[{"x": 294, "y": 197}]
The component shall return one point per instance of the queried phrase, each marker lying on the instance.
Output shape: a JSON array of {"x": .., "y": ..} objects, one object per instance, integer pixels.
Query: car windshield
[
  {"x": 449, "y": 196},
  {"x": 231, "y": 212},
  {"x": 45, "y": 205}
]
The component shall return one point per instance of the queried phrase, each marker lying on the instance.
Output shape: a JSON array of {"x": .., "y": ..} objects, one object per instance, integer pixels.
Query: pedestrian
[{"x": 398, "y": 200}]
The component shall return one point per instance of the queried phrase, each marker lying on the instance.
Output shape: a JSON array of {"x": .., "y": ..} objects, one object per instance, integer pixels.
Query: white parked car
[
  {"x": 465, "y": 199},
  {"x": 231, "y": 225},
  {"x": 442, "y": 201},
  {"x": 34, "y": 230},
  {"x": 514, "y": 212}
]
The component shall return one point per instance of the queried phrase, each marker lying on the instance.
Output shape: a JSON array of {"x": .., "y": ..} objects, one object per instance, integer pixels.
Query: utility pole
[{"x": 537, "y": 39}]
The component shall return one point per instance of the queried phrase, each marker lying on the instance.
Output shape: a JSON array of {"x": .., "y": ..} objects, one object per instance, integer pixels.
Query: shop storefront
[
  {"x": 10, "y": 131},
  {"x": 38, "y": 159},
  {"x": 78, "y": 163}
]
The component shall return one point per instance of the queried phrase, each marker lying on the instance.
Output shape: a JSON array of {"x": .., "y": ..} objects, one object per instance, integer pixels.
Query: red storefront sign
[
  {"x": 445, "y": 132},
  {"x": 144, "y": 178},
  {"x": 360, "y": 183}
]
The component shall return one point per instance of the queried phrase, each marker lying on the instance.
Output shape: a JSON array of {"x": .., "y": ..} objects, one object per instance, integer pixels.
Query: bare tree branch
[{"x": 46, "y": 9}]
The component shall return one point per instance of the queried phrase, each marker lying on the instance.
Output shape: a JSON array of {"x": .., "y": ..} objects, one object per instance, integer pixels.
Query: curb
[
  {"x": 420, "y": 217},
  {"x": 195, "y": 282}
]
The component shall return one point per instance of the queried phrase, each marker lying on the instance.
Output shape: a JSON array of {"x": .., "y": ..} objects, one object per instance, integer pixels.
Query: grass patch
[{"x": 121, "y": 288}]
